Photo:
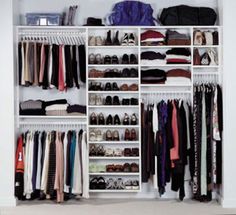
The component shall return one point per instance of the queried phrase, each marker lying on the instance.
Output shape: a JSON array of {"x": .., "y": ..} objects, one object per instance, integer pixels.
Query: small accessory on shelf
[
  {"x": 43, "y": 19},
  {"x": 91, "y": 21}
]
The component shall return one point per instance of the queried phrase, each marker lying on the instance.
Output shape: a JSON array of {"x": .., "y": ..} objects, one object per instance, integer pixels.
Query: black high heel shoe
[
  {"x": 116, "y": 120},
  {"x": 134, "y": 120},
  {"x": 109, "y": 120},
  {"x": 126, "y": 119}
]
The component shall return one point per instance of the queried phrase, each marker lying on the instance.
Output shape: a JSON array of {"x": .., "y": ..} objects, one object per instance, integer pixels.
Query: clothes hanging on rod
[
  {"x": 51, "y": 165},
  {"x": 50, "y": 65},
  {"x": 165, "y": 143},
  {"x": 206, "y": 167}
]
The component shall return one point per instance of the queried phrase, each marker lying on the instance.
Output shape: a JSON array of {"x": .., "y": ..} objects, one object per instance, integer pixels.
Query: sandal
[
  {"x": 118, "y": 152},
  {"x": 101, "y": 184},
  {"x": 120, "y": 184},
  {"x": 110, "y": 184},
  {"x": 109, "y": 152}
]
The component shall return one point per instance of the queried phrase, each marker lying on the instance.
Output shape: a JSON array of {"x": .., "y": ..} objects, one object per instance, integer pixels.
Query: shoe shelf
[
  {"x": 113, "y": 92},
  {"x": 166, "y": 85},
  {"x": 114, "y": 106},
  {"x": 53, "y": 117},
  {"x": 166, "y": 65},
  {"x": 164, "y": 47},
  {"x": 206, "y": 46},
  {"x": 115, "y": 191},
  {"x": 113, "y": 158},
  {"x": 113, "y": 126},
  {"x": 113, "y": 79},
  {"x": 113, "y": 47},
  {"x": 207, "y": 66},
  {"x": 114, "y": 174},
  {"x": 112, "y": 65},
  {"x": 114, "y": 142}
]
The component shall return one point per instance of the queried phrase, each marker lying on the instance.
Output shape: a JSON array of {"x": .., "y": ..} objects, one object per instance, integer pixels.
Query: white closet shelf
[
  {"x": 114, "y": 191},
  {"x": 114, "y": 106},
  {"x": 113, "y": 47},
  {"x": 116, "y": 173},
  {"x": 53, "y": 117},
  {"x": 50, "y": 27},
  {"x": 114, "y": 158},
  {"x": 112, "y": 65},
  {"x": 204, "y": 67},
  {"x": 167, "y": 65},
  {"x": 113, "y": 126},
  {"x": 206, "y": 46},
  {"x": 166, "y": 85},
  {"x": 165, "y": 47},
  {"x": 206, "y": 73},
  {"x": 113, "y": 79},
  {"x": 113, "y": 142},
  {"x": 113, "y": 92}
]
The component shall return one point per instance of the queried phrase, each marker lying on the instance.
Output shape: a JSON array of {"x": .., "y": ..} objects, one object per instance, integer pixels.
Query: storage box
[{"x": 43, "y": 19}]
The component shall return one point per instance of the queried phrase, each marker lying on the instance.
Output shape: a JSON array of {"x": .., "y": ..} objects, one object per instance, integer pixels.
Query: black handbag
[{"x": 186, "y": 15}]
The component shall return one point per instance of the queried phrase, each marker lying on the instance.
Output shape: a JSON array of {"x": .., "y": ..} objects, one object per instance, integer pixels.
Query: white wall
[
  {"x": 7, "y": 106},
  {"x": 229, "y": 78}
]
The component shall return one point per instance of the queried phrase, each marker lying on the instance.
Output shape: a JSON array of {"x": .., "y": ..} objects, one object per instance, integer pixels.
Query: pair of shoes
[
  {"x": 113, "y": 152},
  {"x": 97, "y": 183},
  {"x": 132, "y": 59},
  {"x": 130, "y": 135},
  {"x": 95, "y": 100},
  {"x": 95, "y": 135},
  {"x": 133, "y": 167},
  {"x": 131, "y": 152},
  {"x": 132, "y": 87},
  {"x": 108, "y": 40},
  {"x": 114, "y": 168},
  {"x": 113, "y": 121},
  {"x": 130, "y": 121},
  {"x": 112, "y": 136},
  {"x": 95, "y": 41},
  {"x": 112, "y": 73},
  {"x": 97, "y": 120},
  {"x": 111, "y": 87},
  {"x": 128, "y": 40},
  {"x": 111, "y": 60},
  {"x": 95, "y": 59},
  {"x": 96, "y": 168},
  {"x": 96, "y": 150},
  {"x": 132, "y": 185},
  {"x": 112, "y": 101},
  {"x": 132, "y": 101},
  {"x": 95, "y": 86},
  {"x": 129, "y": 73},
  {"x": 94, "y": 73},
  {"x": 115, "y": 184}
]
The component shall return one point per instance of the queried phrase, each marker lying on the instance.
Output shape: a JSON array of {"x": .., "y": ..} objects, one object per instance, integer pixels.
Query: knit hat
[{"x": 151, "y": 35}]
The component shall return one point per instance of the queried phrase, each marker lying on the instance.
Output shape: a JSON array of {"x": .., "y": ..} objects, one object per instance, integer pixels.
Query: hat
[
  {"x": 91, "y": 21},
  {"x": 151, "y": 35}
]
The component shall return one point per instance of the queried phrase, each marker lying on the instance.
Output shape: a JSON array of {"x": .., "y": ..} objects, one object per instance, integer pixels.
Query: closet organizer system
[{"x": 117, "y": 158}]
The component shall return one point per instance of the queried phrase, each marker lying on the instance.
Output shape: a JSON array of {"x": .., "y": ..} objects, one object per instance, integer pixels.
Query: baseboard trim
[
  {"x": 228, "y": 203},
  {"x": 7, "y": 201}
]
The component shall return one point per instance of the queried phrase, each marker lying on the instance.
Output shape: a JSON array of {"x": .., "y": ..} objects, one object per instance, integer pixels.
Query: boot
[
  {"x": 108, "y": 41},
  {"x": 116, "y": 41}
]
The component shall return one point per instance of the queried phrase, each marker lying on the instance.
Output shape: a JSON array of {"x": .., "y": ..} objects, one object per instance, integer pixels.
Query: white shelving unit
[{"x": 162, "y": 89}]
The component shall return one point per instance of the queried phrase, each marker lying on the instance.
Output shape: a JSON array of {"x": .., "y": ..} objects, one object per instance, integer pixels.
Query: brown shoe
[
  {"x": 133, "y": 135},
  {"x": 108, "y": 135},
  {"x": 110, "y": 168},
  {"x": 127, "y": 135},
  {"x": 127, "y": 167},
  {"x": 134, "y": 167},
  {"x": 115, "y": 136},
  {"x": 133, "y": 87},
  {"x": 124, "y": 87}
]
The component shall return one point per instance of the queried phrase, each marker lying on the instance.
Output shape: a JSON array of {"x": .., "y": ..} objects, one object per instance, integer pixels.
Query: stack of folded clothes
[
  {"x": 32, "y": 107},
  {"x": 153, "y": 76},
  {"x": 152, "y": 58},
  {"x": 176, "y": 38},
  {"x": 59, "y": 107},
  {"x": 178, "y": 56},
  {"x": 178, "y": 76},
  {"x": 78, "y": 110},
  {"x": 152, "y": 38}
]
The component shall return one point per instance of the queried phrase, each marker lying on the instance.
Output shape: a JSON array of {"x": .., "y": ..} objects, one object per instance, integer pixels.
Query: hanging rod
[
  {"x": 166, "y": 92},
  {"x": 54, "y": 123}
]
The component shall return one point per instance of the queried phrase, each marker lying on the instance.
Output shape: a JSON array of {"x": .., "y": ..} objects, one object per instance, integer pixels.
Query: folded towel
[{"x": 57, "y": 107}]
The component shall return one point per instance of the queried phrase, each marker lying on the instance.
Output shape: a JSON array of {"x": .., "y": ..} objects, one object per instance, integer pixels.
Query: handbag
[
  {"x": 186, "y": 15},
  {"x": 131, "y": 13}
]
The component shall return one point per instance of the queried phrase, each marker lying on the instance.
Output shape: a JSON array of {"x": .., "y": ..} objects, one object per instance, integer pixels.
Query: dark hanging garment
[
  {"x": 82, "y": 63},
  {"x": 145, "y": 175},
  {"x": 45, "y": 83},
  {"x": 191, "y": 150},
  {"x": 219, "y": 143},
  {"x": 52, "y": 165},
  {"x": 69, "y": 68},
  {"x": 68, "y": 169},
  {"x": 55, "y": 65},
  {"x": 35, "y": 159},
  {"x": 19, "y": 63},
  {"x": 38, "y": 50},
  {"x": 74, "y": 66}
]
